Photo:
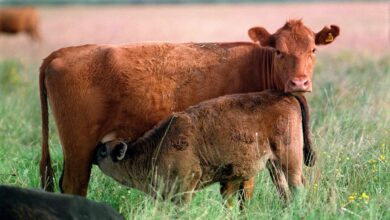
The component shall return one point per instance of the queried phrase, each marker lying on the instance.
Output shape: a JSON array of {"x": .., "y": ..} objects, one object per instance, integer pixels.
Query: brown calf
[
  {"x": 227, "y": 140},
  {"x": 94, "y": 90},
  {"x": 16, "y": 20}
]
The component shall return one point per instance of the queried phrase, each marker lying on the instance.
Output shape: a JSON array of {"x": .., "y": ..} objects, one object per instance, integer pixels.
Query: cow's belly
[
  {"x": 136, "y": 117},
  {"x": 11, "y": 28}
]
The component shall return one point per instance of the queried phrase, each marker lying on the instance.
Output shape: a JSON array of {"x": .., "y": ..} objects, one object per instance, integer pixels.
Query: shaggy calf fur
[
  {"x": 22, "y": 204},
  {"x": 226, "y": 140}
]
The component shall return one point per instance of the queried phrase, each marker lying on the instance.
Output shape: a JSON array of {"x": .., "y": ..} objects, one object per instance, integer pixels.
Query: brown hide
[
  {"x": 295, "y": 48},
  {"x": 16, "y": 20},
  {"x": 124, "y": 90},
  {"x": 227, "y": 140}
]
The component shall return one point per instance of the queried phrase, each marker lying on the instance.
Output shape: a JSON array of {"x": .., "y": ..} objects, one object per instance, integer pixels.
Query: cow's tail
[
  {"x": 309, "y": 152},
  {"x": 45, "y": 168}
]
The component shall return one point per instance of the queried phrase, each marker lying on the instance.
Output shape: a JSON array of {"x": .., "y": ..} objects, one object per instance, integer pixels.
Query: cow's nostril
[
  {"x": 306, "y": 83},
  {"x": 292, "y": 83}
]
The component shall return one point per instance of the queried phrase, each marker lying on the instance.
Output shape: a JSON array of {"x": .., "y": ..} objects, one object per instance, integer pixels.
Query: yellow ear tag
[{"x": 329, "y": 38}]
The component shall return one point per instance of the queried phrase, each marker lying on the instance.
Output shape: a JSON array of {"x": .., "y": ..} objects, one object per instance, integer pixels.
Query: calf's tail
[
  {"x": 45, "y": 168},
  {"x": 309, "y": 153}
]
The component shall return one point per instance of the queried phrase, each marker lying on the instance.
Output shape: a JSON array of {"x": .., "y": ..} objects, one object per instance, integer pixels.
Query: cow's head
[{"x": 295, "y": 48}]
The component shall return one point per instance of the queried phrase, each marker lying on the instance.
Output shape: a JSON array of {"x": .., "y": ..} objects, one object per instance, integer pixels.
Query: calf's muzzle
[{"x": 100, "y": 153}]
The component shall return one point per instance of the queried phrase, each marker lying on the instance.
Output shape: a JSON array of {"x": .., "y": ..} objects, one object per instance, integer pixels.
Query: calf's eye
[{"x": 314, "y": 50}]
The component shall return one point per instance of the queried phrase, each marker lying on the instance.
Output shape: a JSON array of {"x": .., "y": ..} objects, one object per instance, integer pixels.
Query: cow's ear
[
  {"x": 261, "y": 35},
  {"x": 119, "y": 151},
  {"x": 327, "y": 35}
]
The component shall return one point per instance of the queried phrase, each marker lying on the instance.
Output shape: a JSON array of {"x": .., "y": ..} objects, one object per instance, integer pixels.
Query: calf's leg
[
  {"x": 188, "y": 192},
  {"x": 292, "y": 166},
  {"x": 279, "y": 179},
  {"x": 295, "y": 181},
  {"x": 228, "y": 191},
  {"x": 189, "y": 184},
  {"x": 246, "y": 191}
]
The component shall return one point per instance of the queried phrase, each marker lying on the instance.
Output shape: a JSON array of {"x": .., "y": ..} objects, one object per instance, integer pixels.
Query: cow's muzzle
[{"x": 298, "y": 85}]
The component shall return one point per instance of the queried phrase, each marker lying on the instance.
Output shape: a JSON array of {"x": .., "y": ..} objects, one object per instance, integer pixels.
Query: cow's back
[{"x": 129, "y": 88}]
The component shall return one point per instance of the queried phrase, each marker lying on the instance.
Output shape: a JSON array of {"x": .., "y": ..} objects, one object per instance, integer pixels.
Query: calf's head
[
  {"x": 294, "y": 57},
  {"x": 110, "y": 159}
]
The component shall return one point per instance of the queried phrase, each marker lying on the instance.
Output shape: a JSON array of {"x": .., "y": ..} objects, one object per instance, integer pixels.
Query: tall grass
[{"x": 350, "y": 109}]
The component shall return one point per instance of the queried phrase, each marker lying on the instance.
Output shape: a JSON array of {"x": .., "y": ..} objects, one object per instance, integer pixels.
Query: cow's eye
[
  {"x": 279, "y": 54},
  {"x": 314, "y": 50}
]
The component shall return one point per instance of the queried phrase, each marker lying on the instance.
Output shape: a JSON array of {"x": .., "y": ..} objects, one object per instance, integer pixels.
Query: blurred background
[{"x": 365, "y": 26}]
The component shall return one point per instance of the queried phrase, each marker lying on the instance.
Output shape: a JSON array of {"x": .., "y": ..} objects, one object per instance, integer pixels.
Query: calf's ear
[
  {"x": 327, "y": 35},
  {"x": 119, "y": 151},
  {"x": 261, "y": 35}
]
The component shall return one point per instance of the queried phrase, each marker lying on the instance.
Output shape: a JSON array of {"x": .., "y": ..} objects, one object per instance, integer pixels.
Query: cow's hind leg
[
  {"x": 62, "y": 177},
  {"x": 77, "y": 167},
  {"x": 75, "y": 177}
]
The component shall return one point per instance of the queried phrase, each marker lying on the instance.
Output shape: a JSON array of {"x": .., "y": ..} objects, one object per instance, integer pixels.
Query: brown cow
[
  {"x": 227, "y": 140},
  {"x": 16, "y": 20},
  {"x": 125, "y": 90}
]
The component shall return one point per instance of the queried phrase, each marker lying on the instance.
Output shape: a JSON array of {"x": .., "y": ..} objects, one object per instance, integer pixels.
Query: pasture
[{"x": 350, "y": 105}]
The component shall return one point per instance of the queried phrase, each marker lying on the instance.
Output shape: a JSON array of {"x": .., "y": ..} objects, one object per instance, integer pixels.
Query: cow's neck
[{"x": 264, "y": 68}]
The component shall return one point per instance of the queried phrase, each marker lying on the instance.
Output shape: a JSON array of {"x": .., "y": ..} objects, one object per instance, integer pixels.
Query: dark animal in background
[
  {"x": 227, "y": 140},
  {"x": 95, "y": 90},
  {"x": 21, "y": 204},
  {"x": 18, "y": 20}
]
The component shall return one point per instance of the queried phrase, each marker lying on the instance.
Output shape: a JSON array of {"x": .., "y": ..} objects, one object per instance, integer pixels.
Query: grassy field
[{"x": 350, "y": 123}]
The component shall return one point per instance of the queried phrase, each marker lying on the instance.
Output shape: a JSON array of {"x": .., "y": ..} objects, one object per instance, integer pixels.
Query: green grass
[{"x": 350, "y": 123}]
